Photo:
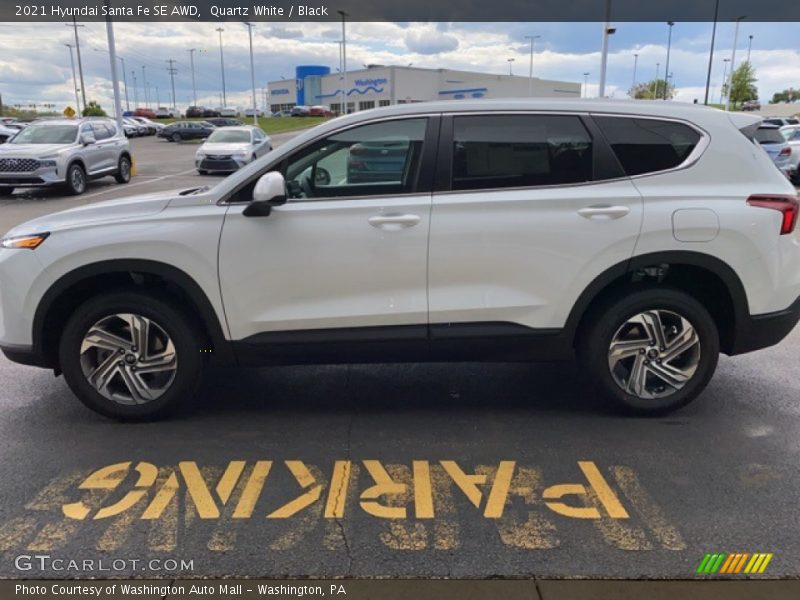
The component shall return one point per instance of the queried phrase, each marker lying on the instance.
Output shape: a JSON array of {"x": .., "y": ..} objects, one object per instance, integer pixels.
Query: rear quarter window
[
  {"x": 648, "y": 145},
  {"x": 769, "y": 135}
]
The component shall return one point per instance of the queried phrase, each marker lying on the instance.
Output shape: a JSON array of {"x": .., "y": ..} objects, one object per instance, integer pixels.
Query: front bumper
[
  {"x": 42, "y": 176},
  {"x": 762, "y": 331},
  {"x": 220, "y": 164}
]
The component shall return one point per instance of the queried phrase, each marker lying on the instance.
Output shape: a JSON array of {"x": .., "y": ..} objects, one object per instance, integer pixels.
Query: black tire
[
  {"x": 606, "y": 320},
  {"x": 175, "y": 137},
  {"x": 6, "y": 191},
  {"x": 76, "y": 179},
  {"x": 160, "y": 311},
  {"x": 202, "y": 171},
  {"x": 123, "y": 174}
]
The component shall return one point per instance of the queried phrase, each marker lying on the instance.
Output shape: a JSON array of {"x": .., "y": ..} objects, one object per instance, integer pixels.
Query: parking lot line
[{"x": 131, "y": 185}]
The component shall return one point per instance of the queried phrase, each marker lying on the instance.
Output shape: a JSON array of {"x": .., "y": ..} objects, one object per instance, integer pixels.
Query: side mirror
[
  {"x": 88, "y": 138},
  {"x": 270, "y": 191}
]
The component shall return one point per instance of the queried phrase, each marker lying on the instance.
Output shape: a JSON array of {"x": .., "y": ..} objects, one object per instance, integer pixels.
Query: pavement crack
[{"x": 342, "y": 487}]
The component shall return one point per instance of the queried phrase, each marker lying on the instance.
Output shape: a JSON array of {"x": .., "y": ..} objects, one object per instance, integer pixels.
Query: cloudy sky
[{"x": 35, "y": 66}]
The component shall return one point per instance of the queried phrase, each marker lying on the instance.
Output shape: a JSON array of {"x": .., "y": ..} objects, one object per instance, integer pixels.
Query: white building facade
[{"x": 386, "y": 85}]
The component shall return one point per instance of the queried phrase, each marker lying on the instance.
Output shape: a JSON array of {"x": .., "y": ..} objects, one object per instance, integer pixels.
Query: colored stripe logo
[{"x": 734, "y": 563}]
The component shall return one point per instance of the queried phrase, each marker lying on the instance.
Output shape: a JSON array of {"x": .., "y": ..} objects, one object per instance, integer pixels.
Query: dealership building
[{"x": 380, "y": 85}]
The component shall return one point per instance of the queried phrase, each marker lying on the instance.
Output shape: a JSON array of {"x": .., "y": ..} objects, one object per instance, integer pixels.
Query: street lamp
[
  {"x": 635, "y": 64},
  {"x": 724, "y": 79},
  {"x": 749, "y": 46},
  {"x": 135, "y": 92},
  {"x": 666, "y": 68},
  {"x": 658, "y": 83},
  {"x": 532, "y": 38},
  {"x": 586, "y": 84},
  {"x": 344, "y": 62},
  {"x": 144, "y": 86},
  {"x": 191, "y": 52},
  {"x": 510, "y": 62},
  {"x": 733, "y": 59},
  {"x": 74, "y": 79},
  {"x": 252, "y": 71},
  {"x": 222, "y": 67},
  {"x": 607, "y": 31}
]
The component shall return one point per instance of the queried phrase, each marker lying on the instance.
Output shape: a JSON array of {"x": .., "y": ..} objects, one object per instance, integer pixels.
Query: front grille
[
  {"x": 18, "y": 165},
  {"x": 218, "y": 165},
  {"x": 218, "y": 156}
]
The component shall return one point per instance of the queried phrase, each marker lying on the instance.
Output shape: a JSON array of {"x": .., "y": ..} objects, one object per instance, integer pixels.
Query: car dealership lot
[{"x": 455, "y": 469}]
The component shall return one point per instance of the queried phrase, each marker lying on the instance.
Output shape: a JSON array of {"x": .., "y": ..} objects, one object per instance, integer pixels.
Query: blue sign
[{"x": 280, "y": 92}]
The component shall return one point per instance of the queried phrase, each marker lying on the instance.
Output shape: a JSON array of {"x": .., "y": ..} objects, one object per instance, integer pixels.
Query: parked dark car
[
  {"x": 186, "y": 130},
  {"x": 320, "y": 111},
  {"x": 751, "y": 105},
  {"x": 301, "y": 111},
  {"x": 194, "y": 112},
  {"x": 224, "y": 122}
]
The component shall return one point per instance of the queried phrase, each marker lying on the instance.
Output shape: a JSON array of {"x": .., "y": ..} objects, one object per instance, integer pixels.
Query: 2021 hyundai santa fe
[{"x": 644, "y": 237}]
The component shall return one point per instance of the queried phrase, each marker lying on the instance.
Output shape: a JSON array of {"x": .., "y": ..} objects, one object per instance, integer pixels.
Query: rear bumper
[{"x": 762, "y": 331}]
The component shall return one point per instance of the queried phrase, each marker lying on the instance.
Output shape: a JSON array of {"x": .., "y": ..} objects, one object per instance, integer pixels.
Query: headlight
[
  {"x": 47, "y": 163},
  {"x": 240, "y": 154},
  {"x": 24, "y": 241}
]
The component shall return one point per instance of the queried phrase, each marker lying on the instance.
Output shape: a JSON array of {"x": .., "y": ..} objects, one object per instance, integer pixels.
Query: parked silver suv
[{"x": 65, "y": 152}]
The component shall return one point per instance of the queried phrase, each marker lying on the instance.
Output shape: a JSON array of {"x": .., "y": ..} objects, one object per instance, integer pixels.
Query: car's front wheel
[
  {"x": 175, "y": 137},
  {"x": 76, "y": 179},
  {"x": 130, "y": 355},
  {"x": 651, "y": 351},
  {"x": 123, "y": 174}
]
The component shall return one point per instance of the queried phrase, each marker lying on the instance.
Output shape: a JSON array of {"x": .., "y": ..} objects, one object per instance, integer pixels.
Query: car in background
[
  {"x": 224, "y": 122},
  {"x": 144, "y": 112},
  {"x": 152, "y": 126},
  {"x": 132, "y": 128},
  {"x": 227, "y": 111},
  {"x": 320, "y": 111},
  {"x": 18, "y": 125},
  {"x": 186, "y": 130},
  {"x": 377, "y": 161},
  {"x": 228, "y": 149},
  {"x": 195, "y": 112},
  {"x": 6, "y": 133},
  {"x": 67, "y": 152},
  {"x": 282, "y": 113},
  {"x": 781, "y": 121},
  {"x": 751, "y": 105},
  {"x": 301, "y": 111},
  {"x": 773, "y": 142},
  {"x": 162, "y": 112},
  {"x": 791, "y": 133},
  {"x": 7, "y": 120},
  {"x": 249, "y": 112}
]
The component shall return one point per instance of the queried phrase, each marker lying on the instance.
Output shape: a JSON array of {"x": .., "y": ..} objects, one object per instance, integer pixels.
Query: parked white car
[
  {"x": 228, "y": 149},
  {"x": 791, "y": 134},
  {"x": 228, "y": 112},
  {"x": 645, "y": 237}
]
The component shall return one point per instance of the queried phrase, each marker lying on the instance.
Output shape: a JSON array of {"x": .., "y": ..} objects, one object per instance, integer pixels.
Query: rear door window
[
  {"x": 648, "y": 145},
  {"x": 504, "y": 151}
]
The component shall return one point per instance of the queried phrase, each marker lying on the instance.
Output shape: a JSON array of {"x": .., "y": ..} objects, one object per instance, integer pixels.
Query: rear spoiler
[{"x": 747, "y": 124}]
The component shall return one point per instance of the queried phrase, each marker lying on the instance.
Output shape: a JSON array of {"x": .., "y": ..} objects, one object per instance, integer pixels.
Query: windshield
[
  {"x": 46, "y": 134},
  {"x": 230, "y": 136}
]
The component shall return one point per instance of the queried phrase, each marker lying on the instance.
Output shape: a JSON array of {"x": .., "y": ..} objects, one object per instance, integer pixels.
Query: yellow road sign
[{"x": 69, "y": 112}]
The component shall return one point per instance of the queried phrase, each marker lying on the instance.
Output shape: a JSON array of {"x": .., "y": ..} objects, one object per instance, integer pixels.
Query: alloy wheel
[
  {"x": 77, "y": 180},
  {"x": 654, "y": 354},
  {"x": 128, "y": 358}
]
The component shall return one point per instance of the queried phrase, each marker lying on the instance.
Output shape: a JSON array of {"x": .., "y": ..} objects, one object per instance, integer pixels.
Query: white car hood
[
  {"x": 30, "y": 150},
  {"x": 100, "y": 212},
  {"x": 225, "y": 148}
]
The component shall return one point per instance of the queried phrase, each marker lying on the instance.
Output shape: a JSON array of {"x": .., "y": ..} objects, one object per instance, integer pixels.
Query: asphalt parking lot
[{"x": 395, "y": 470}]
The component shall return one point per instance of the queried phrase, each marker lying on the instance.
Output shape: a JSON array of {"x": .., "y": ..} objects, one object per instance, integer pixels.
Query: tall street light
[
  {"x": 669, "y": 47},
  {"x": 724, "y": 79},
  {"x": 344, "y": 61},
  {"x": 144, "y": 87},
  {"x": 112, "y": 51},
  {"x": 80, "y": 64},
  {"x": 711, "y": 53},
  {"x": 635, "y": 64},
  {"x": 341, "y": 78},
  {"x": 607, "y": 31},
  {"x": 510, "y": 62},
  {"x": 658, "y": 83},
  {"x": 222, "y": 67},
  {"x": 733, "y": 60},
  {"x": 586, "y": 84},
  {"x": 135, "y": 93},
  {"x": 252, "y": 71},
  {"x": 191, "y": 52},
  {"x": 532, "y": 38},
  {"x": 74, "y": 79},
  {"x": 124, "y": 77},
  {"x": 749, "y": 46}
]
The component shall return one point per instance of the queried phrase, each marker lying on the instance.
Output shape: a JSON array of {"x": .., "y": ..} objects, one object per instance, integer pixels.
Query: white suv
[
  {"x": 64, "y": 152},
  {"x": 644, "y": 237}
]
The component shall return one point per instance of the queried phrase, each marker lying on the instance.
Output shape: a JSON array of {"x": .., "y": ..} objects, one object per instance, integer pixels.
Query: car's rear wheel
[
  {"x": 175, "y": 137},
  {"x": 123, "y": 174},
  {"x": 76, "y": 179},
  {"x": 130, "y": 355},
  {"x": 651, "y": 351}
]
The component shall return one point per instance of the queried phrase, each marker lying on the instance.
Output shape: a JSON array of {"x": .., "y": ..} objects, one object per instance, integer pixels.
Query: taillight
[
  {"x": 788, "y": 206},
  {"x": 785, "y": 151}
]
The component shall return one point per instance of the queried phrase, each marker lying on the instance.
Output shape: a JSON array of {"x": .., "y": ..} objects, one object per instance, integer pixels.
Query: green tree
[
  {"x": 787, "y": 95},
  {"x": 652, "y": 90},
  {"x": 93, "y": 109},
  {"x": 742, "y": 84}
]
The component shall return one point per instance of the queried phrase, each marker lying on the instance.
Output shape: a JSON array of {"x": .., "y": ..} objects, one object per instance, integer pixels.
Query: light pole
[
  {"x": 144, "y": 87},
  {"x": 711, "y": 53},
  {"x": 658, "y": 83},
  {"x": 191, "y": 63},
  {"x": 635, "y": 64},
  {"x": 135, "y": 93},
  {"x": 124, "y": 77},
  {"x": 341, "y": 78},
  {"x": 733, "y": 60},
  {"x": 74, "y": 79},
  {"x": 607, "y": 31},
  {"x": 586, "y": 84},
  {"x": 112, "y": 51},
  {"x": 666, "y": 67},
  {"x": 510, "y": 62},
  {"x": 344, "y": 61},
  {"x": 172, "y": 71},
  {"x": 724, "y": 79},
  {"x": 80, "y": 64},
  {"x": 252, "y": 71},
  {"x": 532, "y": 38},
  {"x": 222, "y": 67},
  {"x": 749, "y": 46}
]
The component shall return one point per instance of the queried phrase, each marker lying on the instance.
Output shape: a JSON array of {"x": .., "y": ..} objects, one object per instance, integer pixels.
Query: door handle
[
  {"x": 394, "y": 222},
  {"x": 604, "y": 212}
]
